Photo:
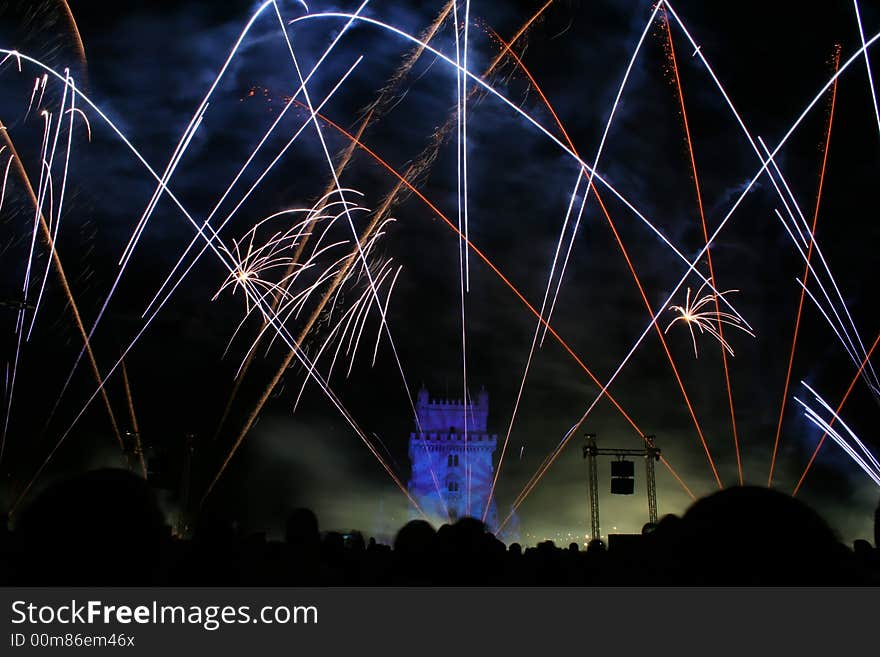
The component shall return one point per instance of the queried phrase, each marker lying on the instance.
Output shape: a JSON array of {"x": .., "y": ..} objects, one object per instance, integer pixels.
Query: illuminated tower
[{"x": 451, "y": 457}]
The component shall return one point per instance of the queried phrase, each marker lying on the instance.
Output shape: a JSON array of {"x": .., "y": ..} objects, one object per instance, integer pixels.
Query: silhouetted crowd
[{"x": 106, "y": 528}]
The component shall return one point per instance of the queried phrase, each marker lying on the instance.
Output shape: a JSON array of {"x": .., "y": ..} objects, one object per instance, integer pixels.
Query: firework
[
  {"x": 853, "y": 446},
  {"x": 694, "y": 314},
  {"x": 315, "y": 280}
]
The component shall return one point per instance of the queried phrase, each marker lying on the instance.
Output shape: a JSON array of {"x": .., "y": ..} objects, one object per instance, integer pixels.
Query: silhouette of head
[
  {"x": 302, "y": 528},
  {"x": 415, "y": 538},
  {"x": 469, "y": 535},
  {"x": 355, "y": 542},
  {"x": 413, "y": 547},
  {"x": 100, "y": 527},
  {"x": 333, "y": 547},
  {"x": 755, "y": 535},
  {"x": 877, "y": 527}
]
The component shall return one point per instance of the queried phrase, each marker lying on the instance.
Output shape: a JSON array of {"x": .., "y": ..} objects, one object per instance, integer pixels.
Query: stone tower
[{"x": 451, "y": 456}]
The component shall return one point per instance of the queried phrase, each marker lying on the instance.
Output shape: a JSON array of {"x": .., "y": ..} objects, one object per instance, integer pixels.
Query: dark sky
[{"x": 148, "y": 65}]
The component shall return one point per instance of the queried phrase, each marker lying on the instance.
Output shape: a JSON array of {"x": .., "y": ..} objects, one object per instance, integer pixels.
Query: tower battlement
[
  {"x": 487, "y": 439},
  {"x": 451, "y": 415}
]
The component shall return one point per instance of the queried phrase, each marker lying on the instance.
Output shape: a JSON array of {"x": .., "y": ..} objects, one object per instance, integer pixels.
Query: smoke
[{"x": 318, "y": 464}]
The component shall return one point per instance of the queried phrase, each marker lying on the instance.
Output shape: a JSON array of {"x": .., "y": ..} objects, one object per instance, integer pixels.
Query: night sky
[{"x": 148, "y": 65}]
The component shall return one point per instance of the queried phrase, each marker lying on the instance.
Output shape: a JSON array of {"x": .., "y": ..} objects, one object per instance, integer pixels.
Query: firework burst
[{"x": 706, "y": 321}]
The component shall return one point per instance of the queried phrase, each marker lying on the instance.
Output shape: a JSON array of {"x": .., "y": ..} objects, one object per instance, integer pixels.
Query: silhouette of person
[
  {"x": 99, "y": 528},
  {"x": 414, "y": 547},
  {"x": 754, "y": 535},
  {"x": 304, "y": 547},
  {"x": 877, "y": 526}
]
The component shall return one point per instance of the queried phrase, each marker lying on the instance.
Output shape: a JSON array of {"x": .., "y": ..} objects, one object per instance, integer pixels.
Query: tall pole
[
  {"x": 135, "y": 429},
  {"x": 651, "y": 454},
  {"x": 189, "y": 448},
  {"x": 591, "y": 451}
]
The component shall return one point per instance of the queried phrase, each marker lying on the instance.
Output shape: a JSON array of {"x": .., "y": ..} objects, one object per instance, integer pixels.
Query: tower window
[{"x": 452, "y": 460}]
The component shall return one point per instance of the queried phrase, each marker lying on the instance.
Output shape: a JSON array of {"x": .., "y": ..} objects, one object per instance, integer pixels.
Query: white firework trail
[
  {"x": 867, "y": 65},
  {"x": 251, "y": 267},
  {"x": 847, "y": 328},
  {"x": 476, "y": 79},
  {"x": 852, "y": 446}
]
